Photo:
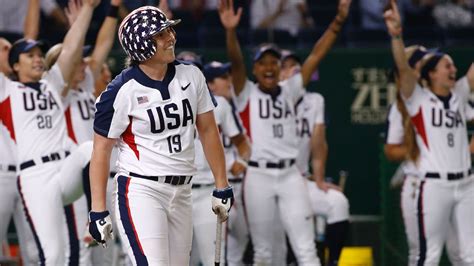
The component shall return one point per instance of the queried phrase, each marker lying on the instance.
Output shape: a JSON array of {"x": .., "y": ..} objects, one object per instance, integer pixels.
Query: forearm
[
  {"x": 32, "y": 20},
  {"x": 104, "y": 43},
  {"x": 215, "y": 155},
  {"x": 321, "y": 48},
  {"x": 234, "y": 53},
  {"x": 99, "y": 172},
  {"x": 396, "y": 153},
  {"x": 242, "y": 144},
  {"x": 318, "y": 162}
]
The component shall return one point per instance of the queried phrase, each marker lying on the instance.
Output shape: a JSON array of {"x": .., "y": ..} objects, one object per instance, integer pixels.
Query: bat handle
[{"x": 217, "y": 257}]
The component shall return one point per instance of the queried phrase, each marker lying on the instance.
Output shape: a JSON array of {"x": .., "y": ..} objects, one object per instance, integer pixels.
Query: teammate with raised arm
[
  {"x": 152, "y": 109},
  {"x": 267, "y": 110},
  {"x": 326, "y": 199},
  {"x": 445, "y": 186},
  {"x": 38, "y": 127}
]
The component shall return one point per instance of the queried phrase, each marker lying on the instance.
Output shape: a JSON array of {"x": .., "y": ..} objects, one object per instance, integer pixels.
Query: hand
[
  {"x": 100, "y": 227},
  {"x": 229, "y": 18},
  {"x": 163, "y": 6},
  {"x": 325, "y": 186},
  {"x": 343, "y": 9},
  {"x": 222, "y": 200},
  {"x": 393, "y": 20},
  {"x": 238, "y": 168},
  {"x": 72, "y": 10}
]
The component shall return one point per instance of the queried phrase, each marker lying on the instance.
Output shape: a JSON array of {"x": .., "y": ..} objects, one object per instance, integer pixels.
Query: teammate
[
  {"x": 152, "y": 107},
  {"x": 445, "y": 187},
  {"x": 38, "y": 127},
  {"x": 326, "y": 199},
  {"x": 266, "y": 107}
]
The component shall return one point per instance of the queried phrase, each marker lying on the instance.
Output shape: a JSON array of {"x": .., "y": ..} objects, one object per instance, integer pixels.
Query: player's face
[
  {"x": 267, "y": 71},
  {"x": 289, "y": 67},
  {"x": 30, "y": 66},
  {"x": 444, "y": 74},
  {"x": 165, "y": 42},
  {"x": 4, "y": 50},
  {"x": 221, "y": 86}
]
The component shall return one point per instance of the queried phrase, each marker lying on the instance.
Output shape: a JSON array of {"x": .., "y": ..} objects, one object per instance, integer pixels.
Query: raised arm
[
  {"x": 394, "y": 27},
  {"x": 105, "y": 39},
  {"x": 32, "y": 20},
  {"x": 230, "y": 19},
  {"x": 74, "y": 39},
  {"x": 324, "y": 44}
]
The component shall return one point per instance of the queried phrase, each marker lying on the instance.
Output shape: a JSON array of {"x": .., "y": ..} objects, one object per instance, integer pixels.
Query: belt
[
  {"x": 201, "y": 185},
  {"x": 8, "y": 167},
  {"x": 449, "y": 176},
  {"x": 235, "y": 180},
  {"x": 279, "y": 165},
  {"x": 174, "y": 180},
  {"x": 55, "y": 156},
  {"x": 112, "y": 174}
]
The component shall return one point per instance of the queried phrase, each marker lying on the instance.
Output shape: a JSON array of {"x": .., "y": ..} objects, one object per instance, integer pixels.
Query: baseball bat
[
  {"x": 217, "y": 254},
  {"x": 342, "y": 179}
]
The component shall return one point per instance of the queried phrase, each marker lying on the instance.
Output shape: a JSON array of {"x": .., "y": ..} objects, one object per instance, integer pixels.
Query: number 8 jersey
[
  {"x": 34, "y": 115},
  {"x": 154, "y": 120},
  {"x": 441, "y": 132}
]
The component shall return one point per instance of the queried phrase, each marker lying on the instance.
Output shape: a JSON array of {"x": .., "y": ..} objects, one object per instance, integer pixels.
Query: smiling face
[
  {"x": 289, "y": 67},
  {"x": 444, "y": 74},
  {"x": 30, "y": 66},
  {"x": 267, "y": 71},
  {"x": 165, "y": 42},
  {"x": 221, "y": 85}
]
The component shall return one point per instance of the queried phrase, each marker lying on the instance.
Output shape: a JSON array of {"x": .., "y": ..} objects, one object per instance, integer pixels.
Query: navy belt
[
  {"x": 235, "y": 180},
  {"x": 8, "y": 167},
  {"x": 450, "y": 176},
  {"x": 174, "y": 180},
  {"x": 201, "y": 185},
  {"x": 279, "y": 165},
  {"x": 55, "y": 156}
]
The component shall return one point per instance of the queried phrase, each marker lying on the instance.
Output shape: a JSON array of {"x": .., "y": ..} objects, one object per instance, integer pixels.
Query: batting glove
[
  {"x": 222, "y": 200},
  {"x": 100, "y": 227}
]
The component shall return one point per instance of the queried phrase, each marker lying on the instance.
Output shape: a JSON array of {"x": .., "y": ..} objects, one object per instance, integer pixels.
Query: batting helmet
[{"x": 138, "y": 28}]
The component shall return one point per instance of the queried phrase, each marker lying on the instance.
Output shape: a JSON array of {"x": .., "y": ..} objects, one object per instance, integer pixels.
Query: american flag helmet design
[{"x": 138, "y": 28}]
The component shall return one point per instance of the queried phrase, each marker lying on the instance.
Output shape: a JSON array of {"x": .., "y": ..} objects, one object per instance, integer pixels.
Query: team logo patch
[{"x": 142, "y": 99}]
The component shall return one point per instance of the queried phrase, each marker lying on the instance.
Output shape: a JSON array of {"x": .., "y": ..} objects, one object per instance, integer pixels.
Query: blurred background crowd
[{"x": 288, "y": 23}]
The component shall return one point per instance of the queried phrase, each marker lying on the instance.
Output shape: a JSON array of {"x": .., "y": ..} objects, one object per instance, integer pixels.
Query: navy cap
[
  {"x": 216, "y": 69},
  {"x": 285, "y": 54},
  {"x": 23, "y": 46},
  {"x": 190, "y": 57},
  {"x": 267, "y": 48}
]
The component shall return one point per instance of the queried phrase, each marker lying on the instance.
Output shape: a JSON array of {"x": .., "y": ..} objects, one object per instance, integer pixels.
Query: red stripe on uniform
[
  {"x": 245, "y": 117},
  {"x": 6, "y": 117},
  {"x": 70, "y": 129},
  {"x": 129, "y": 138},
  {"x": 419, "y": 124},
  {"x": 127, "y": 202}
]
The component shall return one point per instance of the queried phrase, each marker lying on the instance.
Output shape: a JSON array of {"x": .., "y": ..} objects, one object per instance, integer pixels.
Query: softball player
[
  {"x": 326, "y": 199},
  {"x": 445, "y": 190},
  {"x": 153, "y": 108},
  {"x": 267, "y": 110},
  {"x": 39, "y": 130}
]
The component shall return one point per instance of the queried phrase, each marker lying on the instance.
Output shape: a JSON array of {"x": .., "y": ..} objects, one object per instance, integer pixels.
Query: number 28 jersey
[
  {"x": 34, "y": 115},
  {"x": 270, "y": 119},
  {"x": 154, "y": 120},
  {"x": 440, "y": 124}
]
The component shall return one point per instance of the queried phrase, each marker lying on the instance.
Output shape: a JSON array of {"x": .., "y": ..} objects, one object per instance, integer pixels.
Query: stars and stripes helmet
[{"x": 138, "y": 28}]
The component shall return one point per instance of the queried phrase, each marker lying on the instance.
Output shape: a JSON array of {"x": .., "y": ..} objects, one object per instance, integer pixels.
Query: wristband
[{"x": 113, "y": 11}]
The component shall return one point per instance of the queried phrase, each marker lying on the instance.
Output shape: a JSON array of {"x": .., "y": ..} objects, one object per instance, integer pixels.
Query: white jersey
[
  {"x": 395, "y": 135},
  {"x": 440, "y": 124},
  {"x": 34, "y": 115},
  {"x": 80, "y": 109},
  {"x": 229, "y": 126},
  {"x": 7, "y": 150},
  {"x": 309, "y": 113},
  {"x": 155, "y": 120},
  {"x": 270, "y": 120}
]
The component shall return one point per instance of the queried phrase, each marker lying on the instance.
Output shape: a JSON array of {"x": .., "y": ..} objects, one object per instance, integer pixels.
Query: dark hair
[
  {"x": 429, "y": 65},
  {"x": 129, "y": 62},
  {"x": 409, "y": 135}
]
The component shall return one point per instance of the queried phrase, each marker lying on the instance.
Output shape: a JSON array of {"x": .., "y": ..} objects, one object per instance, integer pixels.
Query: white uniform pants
[
  {"x": 204, "y": 225},
  {"x": 433, "y": 210},
  {"x": 44, "y": 190},
  {"x": 267, "y": 189},
  {"x": 154, "y": 221}
]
